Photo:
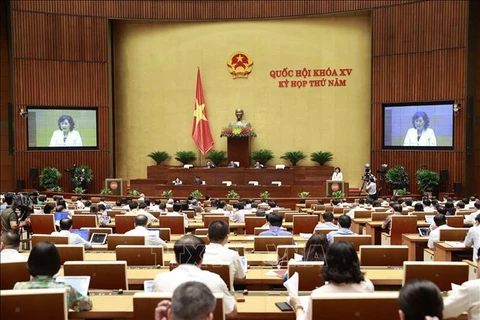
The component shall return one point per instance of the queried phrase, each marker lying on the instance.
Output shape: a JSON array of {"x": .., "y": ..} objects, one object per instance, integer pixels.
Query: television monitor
[
  {"x": 418, "y": 125},
  {"x": 62, "y": 127}
]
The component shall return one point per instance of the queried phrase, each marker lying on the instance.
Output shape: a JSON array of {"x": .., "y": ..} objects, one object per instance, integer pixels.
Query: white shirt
[
  {"x": 427, "y": 138},
  {"x": 73, "y": 238},
  {"x": 151, "y": 218},
  {"x": 73, "y": 139},
  {"x": 169, "y": 281},
  {"x": 151, "y": 237},
  {"x": 215, "y": 252},
  {"x": 239, "y": 216},
  {"x": 80, "y": 205},
  {"x": 435, "y": 235},
  {"x": 12, "y": 255},
  {"x": 473, "y": 239},
  {"x": 185, "y": 218},
  {"x": 466, "y": 298},
  {"x": 337, "y": 176},
  {"x": 470, "y": 219}
]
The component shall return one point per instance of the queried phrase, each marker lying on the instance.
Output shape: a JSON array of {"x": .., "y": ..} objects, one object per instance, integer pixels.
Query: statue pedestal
[{"x": 238, "y": 149}]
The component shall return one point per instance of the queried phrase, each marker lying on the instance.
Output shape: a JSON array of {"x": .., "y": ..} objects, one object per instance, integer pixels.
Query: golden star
[
  {"x": 198, "y": 112},
  {"x": 239, "y": 58}
]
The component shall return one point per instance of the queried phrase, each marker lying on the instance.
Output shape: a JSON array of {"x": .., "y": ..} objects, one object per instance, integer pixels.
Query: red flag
[{"x": 201, "y": 128}]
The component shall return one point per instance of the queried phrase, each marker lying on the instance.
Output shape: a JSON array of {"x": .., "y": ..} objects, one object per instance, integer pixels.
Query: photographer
[
  {"x": 9, "y": 216},
  {"x": 372, "y": 188}
]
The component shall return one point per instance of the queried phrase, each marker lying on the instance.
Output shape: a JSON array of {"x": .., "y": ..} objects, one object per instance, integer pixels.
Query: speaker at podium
[
  {"x": 333, "y": 186},
  {"x": 117, "y": 185}
]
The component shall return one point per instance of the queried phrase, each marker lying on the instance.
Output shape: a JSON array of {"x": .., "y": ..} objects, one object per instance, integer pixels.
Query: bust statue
[{"x": 240, "y": 123}]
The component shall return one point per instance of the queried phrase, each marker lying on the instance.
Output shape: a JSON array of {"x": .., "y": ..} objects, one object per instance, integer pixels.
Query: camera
[{"x": 368, "y": 173}]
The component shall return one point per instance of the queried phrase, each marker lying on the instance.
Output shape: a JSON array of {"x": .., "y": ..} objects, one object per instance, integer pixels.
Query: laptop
[
  {"x": 80, "y": 283},
  {"x": 81, "y": 232},
  {"x": 156, "y": 231},
  {"x": 429, "y": 218},
  {"x": 105, "y": 219},
  {"x": 243, "y": 261},
  {"x": 98, "y": 238},
  {"x": 424, "y": 231}
]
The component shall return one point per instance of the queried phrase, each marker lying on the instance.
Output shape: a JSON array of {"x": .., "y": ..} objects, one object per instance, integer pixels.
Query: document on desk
[
  {"x": 292, "y": 288},
  {"x": 455, "y": 244}
]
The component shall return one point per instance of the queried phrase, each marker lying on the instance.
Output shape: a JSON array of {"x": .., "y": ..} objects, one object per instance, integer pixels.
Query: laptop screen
[
  {"x": 429, "y": 218},
  {"x": 80, "y": 283},
  {"x": 154, "y": 230},
  {"x": 424, "y": 231},
  {"x": 98, "y": 238},
  {"x": 81, "y": 232}
]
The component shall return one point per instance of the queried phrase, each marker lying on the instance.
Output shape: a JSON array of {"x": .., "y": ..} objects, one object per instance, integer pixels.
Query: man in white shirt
[
  {"x": 470, "y": 219},
  {"x": 65, "y": 227},
  {"x": 80, "y": 205},
  {"x": 327, "y": 222},
  {"x": 189, "y": 251},
  {"x": 134, "y": 212},
  {"x": 10, "y": 243},
  {"x": 216, "y": 252},
  {"x": 473, "y": 238},
  {"x": 177, "y": 211},
  {"x": 239, "y": 215},
  {"x": 151, "y": 237},
  {"x": 440, "y": 222}
]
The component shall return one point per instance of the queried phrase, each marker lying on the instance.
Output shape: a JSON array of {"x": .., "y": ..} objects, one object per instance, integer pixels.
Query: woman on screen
[
  {"x": 420, "y": 135},
  {"x": 66, "y": 136}
]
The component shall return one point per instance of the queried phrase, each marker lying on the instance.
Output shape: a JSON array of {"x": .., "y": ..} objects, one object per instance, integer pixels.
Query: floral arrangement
[{"x": 237, "y": 132}]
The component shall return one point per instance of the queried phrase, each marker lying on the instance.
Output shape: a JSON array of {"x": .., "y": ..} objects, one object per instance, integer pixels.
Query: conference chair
[
  {"x": 114, "y": 240},
  {"x": 240, "y": 248},
  {"x": 109, "y": 275},
  {"x": 95, "y": 199},
  {"x": 175, "y": 223},
  {"x": 222, "y": 269},
  {"x": 190, "y": 214},
  {"x": 355, "y": 240},
  {"x": 309, "y": 203},
  {"x": 287, "y": 252},
  {"x": 114, "y": 213},
  {"x": 324, "y": 231},
  {"x": 289, "y": 215},
  {"x": 258, "y": 230},
  {"x": 309, "y": 277},
  {"x": 338, "y": 210},
  {"x": 71, "y": 252},
  {"x": 83, "y": 220},
  {"x": 42, "y": 223},
  {"x": 165, "y": 234},
  {"x": 252, "y": 222},
  {"x": 443, "y": 274},
  {"x": 270, "y": 243},
  {"x": 144, "y": 304},
  {"x": 362, "y": 214},
  {"x": 140, "y": 255},
  {"x": 201, "y": 231},
  {"x": 31, "y": 304},
  {"x": 400, "y": 224},
  {"x": 455, "y": 221},
  {"x": 213, "y": 217},
  {"x": 421, "y": 215},
  {"x": 36, "y": 238},
  {"x": 388, "y": 256},
  {"x": 379, "y": 216},
  {"x": 304, "y": 223},
  {"x": 355, "y": 306},
  {"x": 124, "y": 223},
  {"x": 97, "y": 230},
  {"x": 456, "y": 234},
  {"x": 11, "y": 273}
]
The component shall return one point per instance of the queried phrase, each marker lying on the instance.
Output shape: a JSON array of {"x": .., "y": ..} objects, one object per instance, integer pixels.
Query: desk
[
  {"x": 416, "y": 244},
  {"x": 446, "y": 252},
  {"x": 374, "y": 228},
  {"x": 358, "y": 224}
]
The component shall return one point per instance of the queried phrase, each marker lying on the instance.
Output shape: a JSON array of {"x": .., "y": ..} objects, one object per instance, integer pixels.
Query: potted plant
[
  {"x": 427, "y": 180},
  {"x": 49, "y": 178},
  {"x": 167, "y": 193},
  {"x": 196, "y": 194},
  {"x": 262, "y": 156},
  {"x": 134, "y": 193},
  {"x": 304, "y": 194},
  {"x": 159, "y": 156},
  {"x": 264, "y": 195},
  {"x": 321, "y": 157},
  {"x": 82, "y": 177},
  {"x": 293, "y": 157},
  {"x": 185, "y": 157},
  {"x": 217, "y": 156},
  {"x": 337, "y": 194},
  {"x": 57, "y": 189},
  {"x": 106, "y": 191},
  {"x": 79, "y": 190},
  {"x": 397, "y": 178},
  {"x": 232, "y": 194}
]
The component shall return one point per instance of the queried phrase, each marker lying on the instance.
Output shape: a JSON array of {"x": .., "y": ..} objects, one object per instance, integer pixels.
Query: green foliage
[
  {"x": 167, "y": 193},
  {"x": 134, "y": 193},
  {"x": 265, "y": 195},
  {"x": 196, "y": 194},
  {"x": 79, "y": 190},
  {"x": 397, "y": 178},
  {"x": 321, "y": 157},
  {"x": 304, "y": 194},
  {"x": 293, "y": 156},
  {"x": 262, "y": 156},
  {"x": 106, "y": 191},
  {"x": 427, "y": 180},
  {"x": 50, "y": 177},
  {"x": 232, "y": 194},
  {"x": 185, "y": 157},
  {"x": 159, "y": 156},
  {"x": 216, "y": 156},
  {"x": 337, "y": 194},
  {"x": 402, "y": 192},
  {"x": 57, "y": 189},
  {"x": 80, "y": 177}
]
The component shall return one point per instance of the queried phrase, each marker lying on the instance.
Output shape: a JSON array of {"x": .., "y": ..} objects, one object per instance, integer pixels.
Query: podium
[
  {"x": 334, "y": 185},
  {"x": 117, "y": 185},
  {"x": 238, "y": 149}
]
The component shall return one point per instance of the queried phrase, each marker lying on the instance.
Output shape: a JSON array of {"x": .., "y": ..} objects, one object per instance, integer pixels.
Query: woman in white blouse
[{"x": 337, "y": 174}]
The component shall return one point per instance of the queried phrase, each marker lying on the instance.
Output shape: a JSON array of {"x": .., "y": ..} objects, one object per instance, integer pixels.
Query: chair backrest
[
  {"x": 30, "y": 304},
  {"x": 362, "y": 214},
  {"x": 289, "y": 215},
  {"x": 140, "y": 255},
  {"x": 114, "y": 213},
  {"x": 95, "y": 199},
  {"x": 103, "y": 274},
  {"x": 338, "y": 210},
  {"x": 71, "y": 252},
  {"x": 252, "y": 222},
  {"x": 455, "y": 234},
  {"x": 201, "y": 231},
  {"x": 304, "y": 223},
  {"x": 420, "y": 215},
  {"x": 165, "y": 234},
  {"x": 402, "y": 224},
  {"x": 42, "y": 223},
  {"x": 379, "y": 216},
  {"x": 324, "y": 231},
  {"x": 455, "y": 221},
  {"x": 443, "y": 274},
  {"x": 114, "y": 240},
  {"x": 264, "y": 243},
  {"x": 145, "y": 303},
  {"x": 175, "y": 223},
  {"x": 287, "y": 252},
  {"x": 36, "y": 238},
  {"x": 259, "y": 230},
  {"x": 383, "y": 255},
  {"x": 11, "y": 273},
  {"x": 124, "y": 223},
  {"x": 309, "y": 276},
  {"x": 84, "y": 220},
  {"x": 240, "y": 248},
  {"x": 207, "y": 218},
  {"x": 222, "y": 269},
  {"x": 97, "y": 230},
  {"x": 308, "y": 203},
  {"x": 190, "y": 213},
  {"x": 358, "y": 306},
  {"x": 355, "y": 240},
  {"x": 204, "y": 238}
]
